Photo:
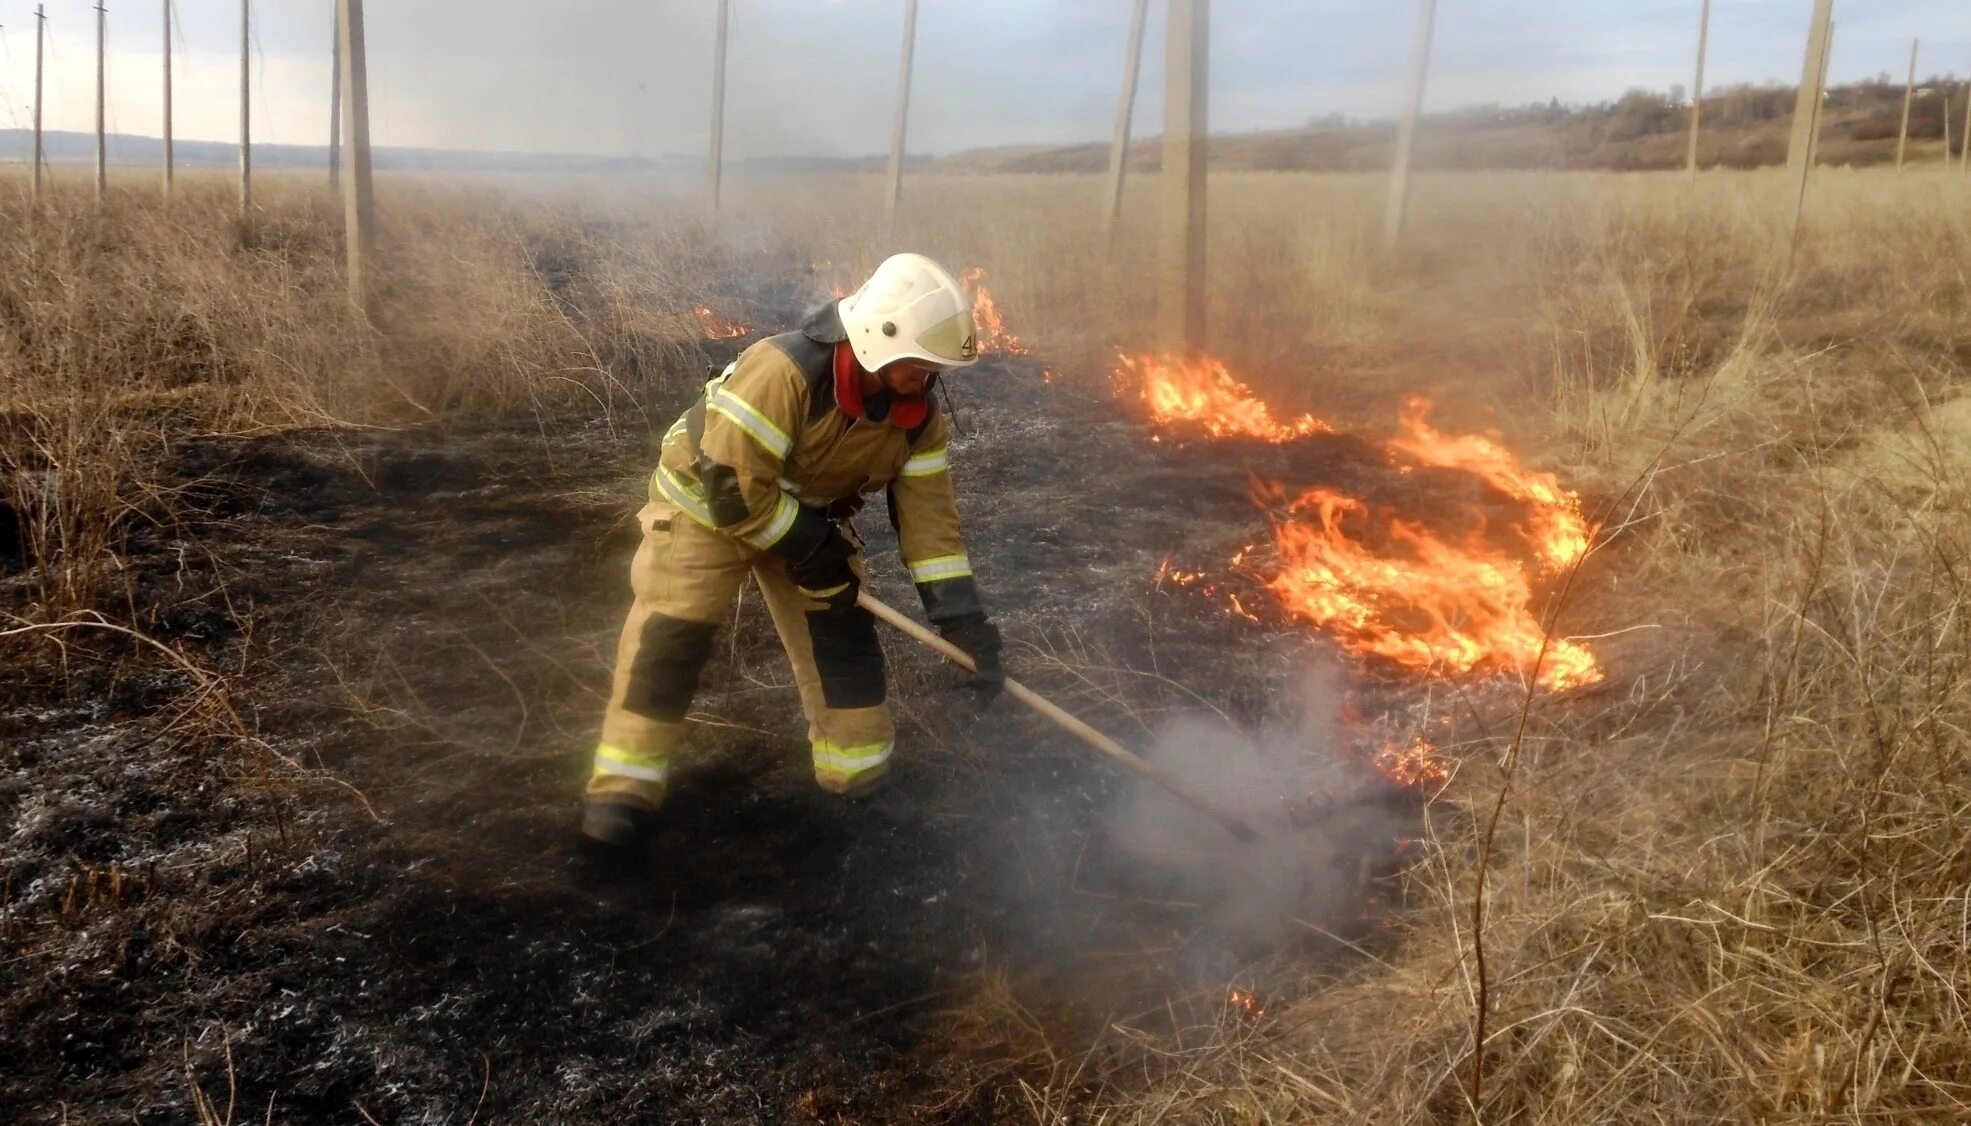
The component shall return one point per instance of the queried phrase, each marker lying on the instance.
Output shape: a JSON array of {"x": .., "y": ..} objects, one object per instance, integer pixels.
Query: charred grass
[{"x": 1728, "y": 883}]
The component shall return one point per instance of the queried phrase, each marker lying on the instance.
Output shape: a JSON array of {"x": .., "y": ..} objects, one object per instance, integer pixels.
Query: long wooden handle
[{"x": 1232, "y": 822}]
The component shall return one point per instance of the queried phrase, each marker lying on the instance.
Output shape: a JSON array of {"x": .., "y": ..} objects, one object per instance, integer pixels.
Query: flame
[
  {"x": 1244, "y": 1003},
  {"x": 1203, "y": 393},
  {"x": 718, "y": 327},
  {"x": 1427, "y": 603},
  {"x": 1383, "y": 584},
  {"x": 1556, "y": 528},
  {"x": 1415, "y": 763},
  {"x": 987, "y": 319}
]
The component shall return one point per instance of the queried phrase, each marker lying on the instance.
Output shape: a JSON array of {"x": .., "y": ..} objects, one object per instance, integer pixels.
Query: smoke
[{"x": 1291, "y": 780}]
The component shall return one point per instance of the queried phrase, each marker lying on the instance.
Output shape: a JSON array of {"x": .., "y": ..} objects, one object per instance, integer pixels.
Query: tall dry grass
[
  {"x": 1729, "y": 884},
  {"x": 127, "y": 327}
]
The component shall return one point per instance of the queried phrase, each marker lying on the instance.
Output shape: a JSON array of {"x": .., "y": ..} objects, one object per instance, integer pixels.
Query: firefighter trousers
[{"x": 685, "y": 577}]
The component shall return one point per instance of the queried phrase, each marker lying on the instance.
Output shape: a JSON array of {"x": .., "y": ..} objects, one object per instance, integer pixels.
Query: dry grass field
[{"x": 1732, "y": 881}]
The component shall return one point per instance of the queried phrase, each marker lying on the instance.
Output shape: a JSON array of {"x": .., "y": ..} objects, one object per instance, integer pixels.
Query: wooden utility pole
[
  {"x": 1181, "y": 260},
  {"x": 1909, "y": 99},
  {"x": 169, "y": 170},
  {"x": 246, "y": 112},
  {"x": 1132, "y": 65},
  {"x": 1806, "y": 105},
  {"x": 1964, "y": 158},
  {"x": 715, "y": 162},
  {"x": 1406, "y": 133},
  {"x": 335, "y": 105},
  {"x": 1697, "y": 87},
  {"x": 40, "y": 37},
  {"x": 1820, "y": 103},
  {"x": 102, "y": 135},
  {"x": 1801, "y": 151},
  {"x": 359, "y": 211},
  {"x": 899, "y": 126},
  {"x": 1944, "y": 93}
]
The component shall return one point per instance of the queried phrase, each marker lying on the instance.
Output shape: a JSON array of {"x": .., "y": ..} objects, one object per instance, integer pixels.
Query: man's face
[{"x": 906, "y": 377}]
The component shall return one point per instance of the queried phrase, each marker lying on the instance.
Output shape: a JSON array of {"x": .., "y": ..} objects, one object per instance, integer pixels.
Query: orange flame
[
  {"x": 1415, "y": 763},
  {"x": 1203, "y": 393},
  {"x": 1380, "y": 584},
  {"x": 1556, "y": 528},
  {"x": 718, "y": 327},
  {"x": 1423, "y": 602},
  {"x": 1244, "y": 1003},
  {"x": 987, "y": 319}
]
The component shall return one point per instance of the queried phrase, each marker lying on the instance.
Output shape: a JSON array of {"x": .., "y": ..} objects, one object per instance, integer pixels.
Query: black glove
[
  {"x": 979, "y": 639},
  {"x": 825, "y": 575}
]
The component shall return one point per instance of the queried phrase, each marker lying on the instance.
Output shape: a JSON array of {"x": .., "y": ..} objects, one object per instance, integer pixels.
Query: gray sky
[{"x": 817, "y": 77}]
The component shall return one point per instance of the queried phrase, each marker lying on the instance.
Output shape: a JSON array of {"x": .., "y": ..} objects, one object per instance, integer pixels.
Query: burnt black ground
[{"x": 428, "y": 615}]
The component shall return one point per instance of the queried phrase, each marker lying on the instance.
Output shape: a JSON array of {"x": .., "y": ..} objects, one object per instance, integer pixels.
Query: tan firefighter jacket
[{"x": 767, "y": 452}]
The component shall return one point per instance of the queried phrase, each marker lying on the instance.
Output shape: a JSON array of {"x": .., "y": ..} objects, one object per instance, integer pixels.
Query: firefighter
[{"x": 763, "y": 475}]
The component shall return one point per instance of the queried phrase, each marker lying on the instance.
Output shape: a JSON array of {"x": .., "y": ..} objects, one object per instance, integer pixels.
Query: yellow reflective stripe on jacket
[
  {"x": 770, "y": 437},
  {"x": 784, "y": 513},
  {"x": 942, "y": 568},
  {"x": 835, "y": 758},
  {"x": 689, "y": 496},
  {"x": 617, "y": 761},
  {"x": 929, "y": 463}
]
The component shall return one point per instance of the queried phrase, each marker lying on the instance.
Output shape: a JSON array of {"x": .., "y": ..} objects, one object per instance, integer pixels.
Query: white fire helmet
[{"x": 910, "y": 308}]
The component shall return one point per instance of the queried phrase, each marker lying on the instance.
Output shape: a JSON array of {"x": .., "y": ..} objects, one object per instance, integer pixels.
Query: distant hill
[{"x": 1744, "y": 127}]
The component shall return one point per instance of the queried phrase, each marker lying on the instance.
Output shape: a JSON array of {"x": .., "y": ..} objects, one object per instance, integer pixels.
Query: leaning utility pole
[
  {"x": 1181, "y": 260},
  {"x": 40, "y": 36},
  {"x": 335, "y": 105},
  {"x": 246, "y": 112},
  {"x": 1964, "y": 159},
  {"x": 1132, "y": 64},
  {"x": 1944, "y": 93},
  {"x": 1806, "y": 118},
  {"x": 1820, "y": 103},
  {"x": 1406, "y": 134},
  {"x": 102, "y": 137},
  {"x": 357, "y": 196},
  {"x": 168, "y": 154},
  {"x": 1909, "y": 98},
  {"x": 899, "y": 126},
  {"x": 715, "y": 163},
  {"x": 1813, "y": 79},
  {"x": 1697, "y": 87}
]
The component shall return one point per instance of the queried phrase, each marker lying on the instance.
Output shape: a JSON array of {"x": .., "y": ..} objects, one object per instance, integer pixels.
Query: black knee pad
[
  {"x": 664, "y": 675},
  {"x": 848, "y": 656}
]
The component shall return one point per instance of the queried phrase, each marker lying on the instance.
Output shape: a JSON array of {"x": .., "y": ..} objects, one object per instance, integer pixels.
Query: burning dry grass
[{"x": 1730, "y": 882}]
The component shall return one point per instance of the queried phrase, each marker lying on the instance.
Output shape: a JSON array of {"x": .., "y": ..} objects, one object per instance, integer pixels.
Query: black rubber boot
[{"x": 618, "y": 826}]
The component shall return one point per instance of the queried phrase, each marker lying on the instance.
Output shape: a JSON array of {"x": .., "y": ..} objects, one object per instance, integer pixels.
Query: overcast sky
[{"x": 817, "y": 77}]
